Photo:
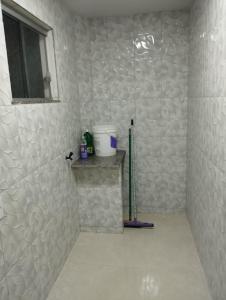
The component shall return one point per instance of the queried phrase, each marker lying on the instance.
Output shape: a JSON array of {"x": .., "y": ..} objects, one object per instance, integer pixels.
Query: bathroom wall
[
  {"x": 206, "y": 202},
  {"x": 37, "y": 188},
  {"x": 139, "y": 70}
]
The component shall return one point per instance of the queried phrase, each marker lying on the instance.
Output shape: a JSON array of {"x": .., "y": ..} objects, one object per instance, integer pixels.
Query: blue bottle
[{"x": 83, "y": 149}]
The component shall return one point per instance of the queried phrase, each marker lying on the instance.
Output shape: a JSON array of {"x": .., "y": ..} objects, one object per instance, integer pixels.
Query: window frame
[{"x": 47, "y": 51}]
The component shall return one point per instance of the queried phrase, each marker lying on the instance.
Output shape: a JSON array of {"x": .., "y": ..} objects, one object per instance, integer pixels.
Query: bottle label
[
  {"x": 83, "y": 151},
  {"x": 113, "y": 142},
  {"x": 90, "y": 150}
]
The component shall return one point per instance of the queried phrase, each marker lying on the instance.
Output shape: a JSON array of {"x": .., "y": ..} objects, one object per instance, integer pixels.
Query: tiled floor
[{"x": 160, "y": 263}]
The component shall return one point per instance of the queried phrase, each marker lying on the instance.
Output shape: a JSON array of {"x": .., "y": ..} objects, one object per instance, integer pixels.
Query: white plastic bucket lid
[{"x": 104, "y": 128}]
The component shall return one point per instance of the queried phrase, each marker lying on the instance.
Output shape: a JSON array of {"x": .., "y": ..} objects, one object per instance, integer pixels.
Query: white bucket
[{"x": 105, "y": 142}]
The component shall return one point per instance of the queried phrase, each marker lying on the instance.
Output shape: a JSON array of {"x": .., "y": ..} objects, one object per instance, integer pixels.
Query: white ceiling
[{"x": 92, "y": 8}]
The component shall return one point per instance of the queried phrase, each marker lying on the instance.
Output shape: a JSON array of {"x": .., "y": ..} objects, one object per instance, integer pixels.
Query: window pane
[
  {"x": 14, "y": 52},
  {"x": 33, "y": 64}
]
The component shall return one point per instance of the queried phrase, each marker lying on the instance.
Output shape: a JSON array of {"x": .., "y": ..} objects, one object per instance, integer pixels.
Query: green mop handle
[
  {"x": 134, "y": 202},
  {"x": 131, "y": 180},
  {"x": 130, "y": 174}
]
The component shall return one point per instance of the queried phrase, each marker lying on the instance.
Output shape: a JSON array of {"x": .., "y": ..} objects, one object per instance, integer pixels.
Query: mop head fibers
[{"x": 138, "y": 224}]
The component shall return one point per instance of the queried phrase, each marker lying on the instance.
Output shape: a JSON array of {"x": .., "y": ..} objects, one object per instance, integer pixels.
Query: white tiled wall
[
  {"x": 37, "y": 188},
  {"x": 206, "y": 202},
  {"x": 100, "y": 205},
  {"x": 139, "y": 70}
]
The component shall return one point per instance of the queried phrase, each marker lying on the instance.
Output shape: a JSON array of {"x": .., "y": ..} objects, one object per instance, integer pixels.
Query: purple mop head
[{"x": 138, "y": 224}]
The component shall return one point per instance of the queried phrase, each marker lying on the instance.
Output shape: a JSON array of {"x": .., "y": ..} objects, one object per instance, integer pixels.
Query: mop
[{"x": 133, "y": 222}]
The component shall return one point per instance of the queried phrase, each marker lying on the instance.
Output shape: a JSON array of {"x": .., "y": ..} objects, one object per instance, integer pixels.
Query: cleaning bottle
[
  {"x": 89, "y": 141},
  {"x": 83, "y": 148}
]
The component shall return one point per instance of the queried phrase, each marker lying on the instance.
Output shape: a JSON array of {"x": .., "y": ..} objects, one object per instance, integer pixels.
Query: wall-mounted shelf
[{"x": 101, "y": 162}]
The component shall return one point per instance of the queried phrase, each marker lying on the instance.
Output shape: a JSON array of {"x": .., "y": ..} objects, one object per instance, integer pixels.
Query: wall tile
[
  {"x": 139, "y": 70},
  {"x": 11, "y": 165},
  {"x": 37, "y": 188},
  {"x": 4, "y": 294},
  {"x": 206, "y": 140},
  {"x": 22, "y": 276},
  {"x": 2, "y": 261},
  {"x": 14, "y": 235}
]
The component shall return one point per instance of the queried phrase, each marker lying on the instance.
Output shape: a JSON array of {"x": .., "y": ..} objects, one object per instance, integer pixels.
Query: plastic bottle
[
  {"x": 83, "y": 149},
  {"x": 89, "y": 141}
]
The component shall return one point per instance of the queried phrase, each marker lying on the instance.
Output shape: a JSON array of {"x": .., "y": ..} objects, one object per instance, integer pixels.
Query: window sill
[{"x": 33, "y": 101}]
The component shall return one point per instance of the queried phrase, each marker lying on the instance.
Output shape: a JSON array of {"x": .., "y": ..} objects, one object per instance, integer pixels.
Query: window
[{"x": 27, "y": 46}]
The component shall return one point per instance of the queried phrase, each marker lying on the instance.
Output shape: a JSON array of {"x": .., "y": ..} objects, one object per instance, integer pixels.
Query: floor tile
[{"x": 140, "y": 264}]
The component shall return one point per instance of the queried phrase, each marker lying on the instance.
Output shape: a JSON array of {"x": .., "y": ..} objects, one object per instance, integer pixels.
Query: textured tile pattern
[
  {"x": 37, "y": 187},
  {"x": 139, "y": 70},
  {"x": 206, "y": 200},
  {"x": 100, "y": 204}
]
